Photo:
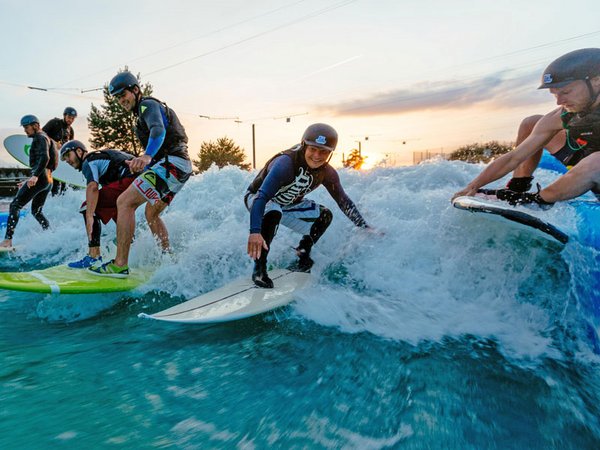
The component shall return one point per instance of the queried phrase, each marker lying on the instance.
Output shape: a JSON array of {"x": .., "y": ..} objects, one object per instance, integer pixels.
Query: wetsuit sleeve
[
  {"x": 334, "y": 187},
  {"x": 279, "y": 173},
  {"x": 39, "y": 155},
  {"x": 151, "y": 113}
]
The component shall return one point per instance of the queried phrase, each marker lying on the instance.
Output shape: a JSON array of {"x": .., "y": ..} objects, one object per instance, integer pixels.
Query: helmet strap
[{"x": 593, "y": 95}]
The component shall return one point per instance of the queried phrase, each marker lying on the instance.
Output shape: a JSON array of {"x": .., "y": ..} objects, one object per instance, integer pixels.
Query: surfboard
[
  {"x": 512, "y": 215},
  {"x": 63, "y": 280},
  {"x": 18, "y": 146},
  {"x": 234, "y": 301}
]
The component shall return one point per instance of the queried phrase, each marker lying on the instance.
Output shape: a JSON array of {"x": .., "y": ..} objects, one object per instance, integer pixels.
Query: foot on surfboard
[
  {"x": 260, "y": 275},
  {"x": 85, "y": 262},
  {"x": 304, "y": 262},
  {"x": 109, "y": 269}
]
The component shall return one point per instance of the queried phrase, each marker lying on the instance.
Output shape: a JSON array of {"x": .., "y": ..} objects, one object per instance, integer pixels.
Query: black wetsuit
[
  {"x": 42, "y": 156},
  {"x": 58, "y": 130}
]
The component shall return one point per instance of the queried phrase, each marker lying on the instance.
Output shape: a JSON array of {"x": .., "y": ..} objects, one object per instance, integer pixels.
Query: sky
[{"x": 393, "y": 76}]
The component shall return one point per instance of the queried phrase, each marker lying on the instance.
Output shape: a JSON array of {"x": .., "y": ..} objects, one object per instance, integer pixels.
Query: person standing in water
[{"x": 43, "y": 159}]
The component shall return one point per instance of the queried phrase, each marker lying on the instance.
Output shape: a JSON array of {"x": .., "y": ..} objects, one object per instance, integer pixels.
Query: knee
[
  {"x": 325, "y": 217},
  {"x": 528, "y": 123}
]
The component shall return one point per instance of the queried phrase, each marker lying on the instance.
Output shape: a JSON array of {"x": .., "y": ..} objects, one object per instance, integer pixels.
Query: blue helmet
[
  {"x": 28, "y": 120},
  {"x": 71, "y": 146},
  {"x": 121, "y": 81},
  {"x": 70, "y": 111}
]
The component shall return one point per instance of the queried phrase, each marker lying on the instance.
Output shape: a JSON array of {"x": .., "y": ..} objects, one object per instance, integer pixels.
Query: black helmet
[
  {"x": 28, "y": 120},
  {"x": 580, "y": 64},
  {"x": 121, "y": 81},
  {"x": 320, "y": 135},
  {"x": 70, "y": 111},
  {"x": 71, "y": 146}
]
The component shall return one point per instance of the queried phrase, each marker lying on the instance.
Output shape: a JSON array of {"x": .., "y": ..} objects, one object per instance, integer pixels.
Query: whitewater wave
[{"x": 429, "y": 272}]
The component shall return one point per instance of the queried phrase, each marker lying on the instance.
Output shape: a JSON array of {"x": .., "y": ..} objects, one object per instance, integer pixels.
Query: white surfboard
[
  {"x": 18, "y": 146},
  {"x": 237, "y": 300},
  {"x": 511, "y": 215}
]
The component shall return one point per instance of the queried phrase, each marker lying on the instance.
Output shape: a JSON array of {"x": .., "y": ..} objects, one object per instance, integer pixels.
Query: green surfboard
[{"x": 63, "y": 280}]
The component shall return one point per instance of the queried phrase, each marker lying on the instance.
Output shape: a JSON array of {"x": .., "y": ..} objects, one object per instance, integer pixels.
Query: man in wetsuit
[
  {"x": 277, "y": 195},
  {"x": 43, "y": 159},
  {"x": 574, "y": 79},
  {"x": 165, "y": 167},
  {"x": 106, "y": 169},
  {"x": 61, "y": 131}
]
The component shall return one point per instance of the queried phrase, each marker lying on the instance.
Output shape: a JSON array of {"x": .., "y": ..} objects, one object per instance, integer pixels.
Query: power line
[
  {"x": 255, "y": 36},
  {"x": 210, "y": 33}
]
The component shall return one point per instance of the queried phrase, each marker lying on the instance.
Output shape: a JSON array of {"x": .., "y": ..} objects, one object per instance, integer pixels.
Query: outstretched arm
[{"x": 542, "y": 133}]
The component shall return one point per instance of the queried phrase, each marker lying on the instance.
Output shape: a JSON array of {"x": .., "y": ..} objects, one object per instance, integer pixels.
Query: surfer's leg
[
  {"x": 523, "y": 174},
  {"x": 127, "y": 203},
  {"x": 24, "y": 196},
  {"x": 317, "y": 230},
  {"x": 268, "y": 231},
  {"x": 156, "y": 224},
  {"x": 37, "y": 204}
]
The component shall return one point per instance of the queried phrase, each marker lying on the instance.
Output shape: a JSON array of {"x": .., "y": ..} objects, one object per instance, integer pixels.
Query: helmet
[
  {"x": 580, "y": 64},
  {"x": 70, "y": 111},
  {"x": 320, "y": 135},
  {"x": 122, "y": 81},
  {"x": 71, "y": 146},
  {"x": 28, "y": 120}
]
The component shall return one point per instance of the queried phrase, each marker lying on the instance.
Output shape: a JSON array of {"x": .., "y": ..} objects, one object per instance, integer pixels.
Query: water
[{"x": 446, "y": 332}]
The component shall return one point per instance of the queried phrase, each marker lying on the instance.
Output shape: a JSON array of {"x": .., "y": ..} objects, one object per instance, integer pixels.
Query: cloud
[{"x": 496, "y": 90}]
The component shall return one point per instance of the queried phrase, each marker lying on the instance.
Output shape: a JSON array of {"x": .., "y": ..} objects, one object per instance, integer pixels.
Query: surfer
[
  {"x": 574, "y": 80},
  {"x": 43, "y": 159},
  {"x": 61, "y": 131},
  {"x": 164, "y": 168},
  {"x": 106, "y": 169},
  {"x": 277, "y": 195}
]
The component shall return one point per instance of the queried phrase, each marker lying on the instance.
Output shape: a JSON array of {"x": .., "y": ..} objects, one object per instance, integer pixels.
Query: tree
[
  {"x": 355, "y": 160},
  {"x": 477, "y": 152},
  {"x": 113, "y": 127},
  {"x": 223, "y": 152}
]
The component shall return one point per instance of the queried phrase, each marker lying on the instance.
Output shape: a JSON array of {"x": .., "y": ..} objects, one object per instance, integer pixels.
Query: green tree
[
  {"x": 355, "y": 160},
  {"x": 480, "y": 152},
  {"x": 223, "y": 152},
  {"x": 113, "y": 127}
]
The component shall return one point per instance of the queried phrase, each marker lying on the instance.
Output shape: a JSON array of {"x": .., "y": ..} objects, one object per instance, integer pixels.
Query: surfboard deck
[
  {"x": 17, "y": 145},
  {"x": 510, "y": 214},
  {"x": 237, "y": 300},
  {"x": 64, "y": 280}
]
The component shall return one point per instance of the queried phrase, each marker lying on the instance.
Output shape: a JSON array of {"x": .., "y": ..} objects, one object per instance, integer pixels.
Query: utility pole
[{"x": 253, "y": 148}]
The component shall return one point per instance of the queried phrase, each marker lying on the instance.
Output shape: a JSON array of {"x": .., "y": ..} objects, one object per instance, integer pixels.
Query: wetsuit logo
[{"x": 292, "y": 192}]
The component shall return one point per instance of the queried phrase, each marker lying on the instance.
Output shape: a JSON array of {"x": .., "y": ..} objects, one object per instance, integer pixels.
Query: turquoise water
[{"x": 446, "y": 332}]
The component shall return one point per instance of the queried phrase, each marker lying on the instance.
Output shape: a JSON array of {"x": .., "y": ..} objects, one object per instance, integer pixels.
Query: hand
[
  {"x": 468, "y": 191},
  {"x": 138, "y": 164},
  {"x": 32, "y": 181},
  {"x": 256, "y": 244}
]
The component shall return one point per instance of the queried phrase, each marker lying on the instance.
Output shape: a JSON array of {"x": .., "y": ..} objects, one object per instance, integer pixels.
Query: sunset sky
[{"x": 409, "y": 75}]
